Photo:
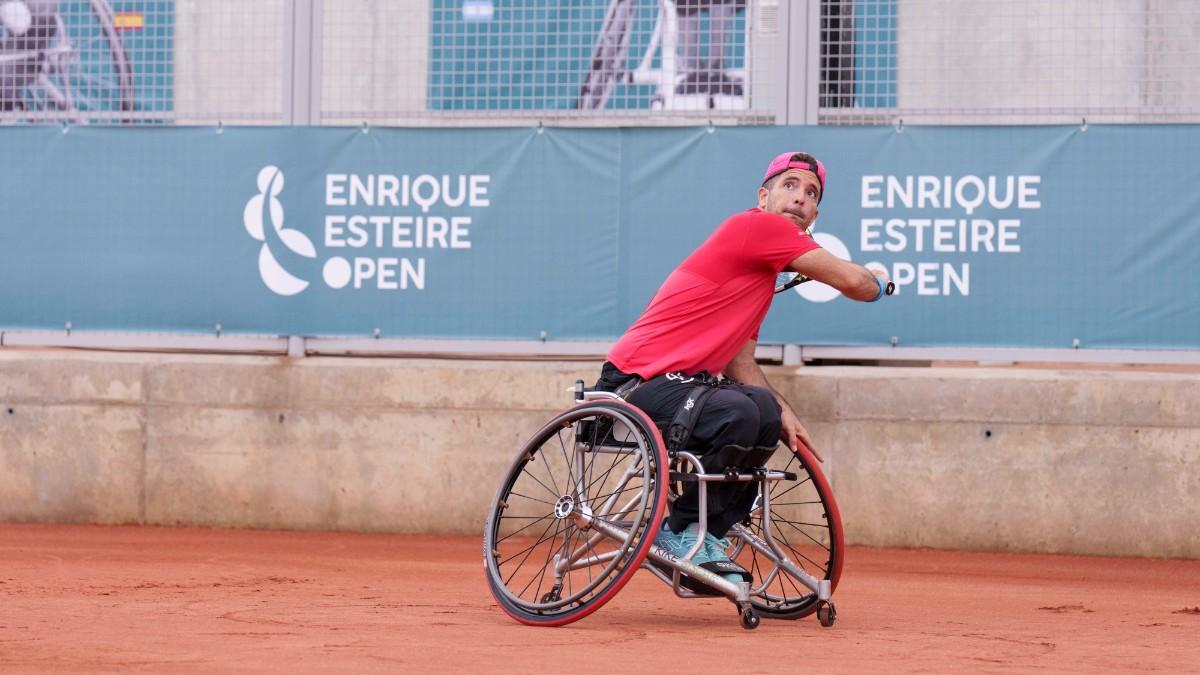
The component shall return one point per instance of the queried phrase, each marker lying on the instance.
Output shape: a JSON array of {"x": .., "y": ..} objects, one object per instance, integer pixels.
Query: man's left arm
[{"x": 744, "y": 369}]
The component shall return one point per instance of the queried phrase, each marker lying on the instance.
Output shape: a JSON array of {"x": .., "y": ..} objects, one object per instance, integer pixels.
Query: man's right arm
[{"x": 853, "y": 280}]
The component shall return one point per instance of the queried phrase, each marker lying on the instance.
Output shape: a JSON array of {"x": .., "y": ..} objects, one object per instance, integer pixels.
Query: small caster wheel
[
  {"x": 554, "y": 595},
  {"x": 750, "y": 619},
  {"x": 826, "y": 613}
]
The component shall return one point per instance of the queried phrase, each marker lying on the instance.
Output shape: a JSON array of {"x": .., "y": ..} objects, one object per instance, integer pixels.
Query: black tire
[
  {"x": 750, "y": 619},
  {"x": 826, "y": 614},
  {"x": 604, "y": 455}
]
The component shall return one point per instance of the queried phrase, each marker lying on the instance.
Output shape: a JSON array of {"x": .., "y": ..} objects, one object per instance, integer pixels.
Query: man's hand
[{"x": 795, "y": 435}]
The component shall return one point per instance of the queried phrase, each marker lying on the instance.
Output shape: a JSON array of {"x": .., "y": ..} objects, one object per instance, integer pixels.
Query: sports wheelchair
[{"x": 577, "y": 512}]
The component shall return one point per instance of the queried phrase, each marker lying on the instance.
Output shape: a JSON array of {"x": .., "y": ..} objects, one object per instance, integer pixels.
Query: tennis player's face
[{"x": 793, "y": 195}]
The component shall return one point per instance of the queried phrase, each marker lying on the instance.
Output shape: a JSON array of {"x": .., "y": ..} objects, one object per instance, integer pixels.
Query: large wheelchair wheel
[
  {"x": 806, "y": 526},
  {"x": 576, "y": 513},
  {"x": 71, "y": 65}
]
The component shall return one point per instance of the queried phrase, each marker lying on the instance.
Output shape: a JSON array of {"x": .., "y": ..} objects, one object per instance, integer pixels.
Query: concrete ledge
[
  {"x": 986, "y": 459},
  {"x": 1009, "y": 395},
  {"x": 1010, "y": 460},
  {"x": 71, "y": 463}
]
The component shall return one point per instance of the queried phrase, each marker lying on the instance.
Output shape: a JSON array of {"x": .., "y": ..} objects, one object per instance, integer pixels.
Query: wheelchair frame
[{"x": 586, "y": 521}]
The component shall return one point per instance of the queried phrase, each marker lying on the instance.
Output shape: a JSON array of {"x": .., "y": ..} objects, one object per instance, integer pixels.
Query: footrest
[
  {"x": 689, "y": 477},
  {"x": 697, "y": 587}
]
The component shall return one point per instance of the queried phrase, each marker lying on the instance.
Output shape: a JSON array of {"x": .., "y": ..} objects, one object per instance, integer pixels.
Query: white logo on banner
[
  {"x": 278, "y": 279},
  {"x": 373, "y": 224},
  {"x": 941, "y": 223}
]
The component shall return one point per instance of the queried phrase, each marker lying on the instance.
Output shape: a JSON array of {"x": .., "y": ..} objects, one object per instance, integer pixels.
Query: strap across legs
[{"x": 679, "y": 432}]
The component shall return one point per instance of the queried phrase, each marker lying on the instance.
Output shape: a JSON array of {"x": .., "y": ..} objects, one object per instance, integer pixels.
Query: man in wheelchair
[{"x": 688, "y": 360}]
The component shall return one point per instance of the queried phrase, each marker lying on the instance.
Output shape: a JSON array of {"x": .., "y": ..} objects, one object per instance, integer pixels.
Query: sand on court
[{"x": 88, "y": 598}]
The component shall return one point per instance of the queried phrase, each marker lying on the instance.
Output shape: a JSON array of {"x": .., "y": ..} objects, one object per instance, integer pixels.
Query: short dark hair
[{"x": 770, "y": 182}]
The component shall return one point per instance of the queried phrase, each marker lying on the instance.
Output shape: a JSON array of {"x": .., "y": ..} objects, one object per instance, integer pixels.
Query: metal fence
[
  {"x": 452, "y": 62},
  {"x": 142, "y": 61},
  {"x": 1009, "y": 61},
  {"x": 601, "y": 62}
]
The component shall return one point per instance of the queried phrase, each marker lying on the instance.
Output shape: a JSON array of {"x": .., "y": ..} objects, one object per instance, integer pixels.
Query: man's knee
[
  {"x": 770, "y": 423},
  {"x": 731, "y": 419}
]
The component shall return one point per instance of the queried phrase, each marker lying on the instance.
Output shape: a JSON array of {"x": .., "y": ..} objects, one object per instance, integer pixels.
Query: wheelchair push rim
[{"x": 598, "y": 465}]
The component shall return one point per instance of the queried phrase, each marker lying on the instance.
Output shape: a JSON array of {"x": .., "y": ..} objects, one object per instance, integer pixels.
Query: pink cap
[{"x": 796, "y": 160}]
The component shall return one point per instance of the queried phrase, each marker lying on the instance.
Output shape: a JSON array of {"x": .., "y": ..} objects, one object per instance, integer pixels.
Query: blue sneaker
[
  {"x": 679, "y": 544},
  {"x": 714, "y": 550}
]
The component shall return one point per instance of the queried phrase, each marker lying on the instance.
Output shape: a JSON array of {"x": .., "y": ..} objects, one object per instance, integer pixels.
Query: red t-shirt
[{"x": 715, "y": 300}]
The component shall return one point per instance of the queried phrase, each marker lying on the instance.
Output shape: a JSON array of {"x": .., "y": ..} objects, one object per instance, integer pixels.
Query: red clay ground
[{"x": 167, "y": 600}]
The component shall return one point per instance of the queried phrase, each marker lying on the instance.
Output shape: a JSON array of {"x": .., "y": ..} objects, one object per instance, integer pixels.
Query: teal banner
[{"x": 996, "y": 237}]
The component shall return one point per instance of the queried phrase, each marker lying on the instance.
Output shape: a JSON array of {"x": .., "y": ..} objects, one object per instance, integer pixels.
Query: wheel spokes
[{"x": 602, "y": 468}]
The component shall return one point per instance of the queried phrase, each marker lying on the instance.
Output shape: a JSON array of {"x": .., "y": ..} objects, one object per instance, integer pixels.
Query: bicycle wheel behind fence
[
  {"x": 575, "y": 514},
  {"x": 82, "y": 70},
  {"x": 805, "y": 525}
]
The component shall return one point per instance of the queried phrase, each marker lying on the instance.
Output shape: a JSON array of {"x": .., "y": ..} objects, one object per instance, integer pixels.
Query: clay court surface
[{"x": 168, "y": 600}]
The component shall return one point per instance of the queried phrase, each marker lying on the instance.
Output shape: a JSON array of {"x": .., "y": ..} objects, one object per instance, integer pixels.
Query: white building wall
[
  {"x": 229, "y": 60},
  {"x": 376, "y": 60},
  {"x": 1028, "y": 61}
]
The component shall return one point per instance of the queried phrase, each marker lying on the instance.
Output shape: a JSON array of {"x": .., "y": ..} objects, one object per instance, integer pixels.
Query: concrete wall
[
  {"x": 1083, "y": 462},
  {"x": 1011, "y": 460}
]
